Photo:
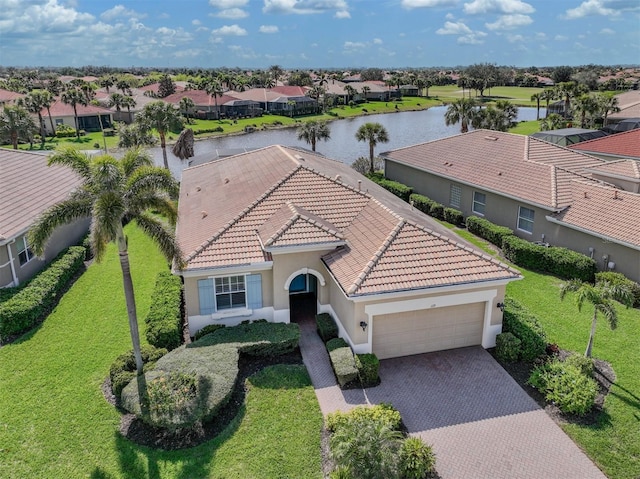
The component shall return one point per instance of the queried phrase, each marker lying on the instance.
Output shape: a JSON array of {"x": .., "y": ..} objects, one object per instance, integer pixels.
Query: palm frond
[
  {"x": 147, "y": 179},
  {"x": 108, "y": 211},
  {"x": 69, "y": 156},
  {"x": 58, "y": 215},
  {"x": 106, "y": 174},
  {"x": 133, "y": 159},
  {"x": 162, "y": 236},
  {"x": 608, "y": 310},
  {"x": 152, "y": 201}
]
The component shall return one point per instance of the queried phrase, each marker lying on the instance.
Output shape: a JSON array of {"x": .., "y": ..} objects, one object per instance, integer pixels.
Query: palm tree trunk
[
  {"x": 538, "y": 110},
  {"x": 75, "y": 117},
  {"x": 127, "y": 282},
  {"x": 587, "y": 353},
  {"x": 53, "y": 128},
  {"x": 43, "y": 133},
  {"x": 14, "y": 139},
  {"x": 371, "y": 157},
  {"x": 163, "y": 145}
]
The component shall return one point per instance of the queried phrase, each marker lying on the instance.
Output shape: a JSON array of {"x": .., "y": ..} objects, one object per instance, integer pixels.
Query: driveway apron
[{"x": 480, "y": 422}]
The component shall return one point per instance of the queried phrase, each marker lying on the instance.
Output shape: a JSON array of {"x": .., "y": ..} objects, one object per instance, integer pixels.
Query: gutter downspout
[{"x": 16, "y": 282}]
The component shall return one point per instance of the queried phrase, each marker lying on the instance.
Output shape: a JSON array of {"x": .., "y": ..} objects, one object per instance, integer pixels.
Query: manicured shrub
[
  {"x": 326, "y": 327},
  {"x": 164, "y": 321},
  {"x": 210, "y": 328},
  {"x": 368, "y": 366},
  {"x": 526, "y": 327},
  {"x": 383, "y": 413},
  {"x": 422, "y": 203},
  {"x": 437, "y": 211},
  {"x": 507, "y": 347},
  {"x": 398, "y": 189},
  {"x": 336, "y": 343},
  {"x": 583, "y": 363},
  {"x": 560, "y": 262},
  {"x": 417, "y": 459},
  {"x": 453, "y": 216},
  {"x": 487, "y": 230},
  {"x": 172, "y": 400},
  {"x": 565, "y": 386},
  {"x": 201, "y": 131},
  {"x": 123, "y": 369},
  {"x": 24, "y": 309},
  {"x": 619, "y": 279},
  {"x": 344, "y": 364}
]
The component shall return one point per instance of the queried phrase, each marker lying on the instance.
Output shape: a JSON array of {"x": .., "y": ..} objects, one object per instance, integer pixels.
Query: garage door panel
[{"x": 423, "y": 331}]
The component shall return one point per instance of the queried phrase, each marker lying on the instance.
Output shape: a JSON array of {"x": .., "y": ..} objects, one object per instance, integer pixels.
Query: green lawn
[
  {"x": 86, "y": 142},
  {"x": 526, "y": 127},
  {"x": 55, "y": 422},
  {"x": 614, "y": 442},
  {"x": 519, "y": 95}
]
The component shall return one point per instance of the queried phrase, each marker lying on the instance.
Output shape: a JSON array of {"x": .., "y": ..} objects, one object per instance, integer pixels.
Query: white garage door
[{"x": 426, "y": 330}]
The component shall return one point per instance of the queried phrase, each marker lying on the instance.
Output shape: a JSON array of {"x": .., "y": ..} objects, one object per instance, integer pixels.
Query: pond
[{"x": 404, "y": 128}]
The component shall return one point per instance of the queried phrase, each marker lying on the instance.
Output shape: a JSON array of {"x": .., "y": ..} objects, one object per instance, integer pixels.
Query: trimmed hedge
[
  {"x": 507, "y": 347},
  {"x": 342, "y": 360},
  {"x": 560, "y": 262},
  {"x": 487, "y": 230},
  {"x": 422, "y": 203},
  {"x": 368, "y": 366},
  {"x": 398, "y": 189},
  {"x": 382, "y": 413},
  {"x": 123, "y": 369},
  {"x": 31, "y": 303},
  {"x": 326, "y": 327},
  {"x": 454, "y": 216},
  {"x": 518, "y": 321},
  {"x": 164, "y": 321},
  {"x": 437, "y": 211},
  {"x": 210, "y": 328},
  {"x": 619, "y": 279}
]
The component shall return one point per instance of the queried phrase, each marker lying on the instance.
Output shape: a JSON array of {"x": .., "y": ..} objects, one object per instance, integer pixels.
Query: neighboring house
[
  {"x": 29, "y": 187},
  {"x": 533, "y": 187},
  {"x": 260, "y": 228},
  {"x": 629, "y": 104},
  {"x": 624, "y": 145},
  {"x": 377, "y": 91},
  {"x": 90, "y": 117},
  {"x": 283, "y": 100},
  {"x": 8, "y": 97},
  {"x": 228, "y": 106}
]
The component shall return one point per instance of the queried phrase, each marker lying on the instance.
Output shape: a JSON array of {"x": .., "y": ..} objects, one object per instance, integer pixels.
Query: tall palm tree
[
  {"x": 607, "y": 104},
  {"x": 373, "y": 133},
  {"x": 312, "y": 131},
  {"x": 16, "y": 124},
  {"x": 365, "y": 91},
  {"x": 461, "y": 111},
  {"x": 186, "y": 104},
  {"x": 129, "y": 102},
  {"x": 163, "y": 117},
  {"x": 276, "y": 72},
  {"x": 601, "y": 297},
  {"x": 551, "y": 122},
  {"x": 116, "y": 100},
  {"x": 586, "y": 106},
  {"x": 350, "y": 92},
  {"x": 74, "y": 97},
  {"x": 537, "y": 97},
  {"x": 566, "y": 91},
  {"x": 114, "y": 191},
  {"x": 35, "y": 102},
  {"x": 547, "y": 95},
  {"x": 214, "y": 89},
  {"x": 508, "y": 113}
]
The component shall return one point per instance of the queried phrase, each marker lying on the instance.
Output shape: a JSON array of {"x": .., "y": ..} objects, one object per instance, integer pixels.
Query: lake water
[{"x": 404, "y": 128}]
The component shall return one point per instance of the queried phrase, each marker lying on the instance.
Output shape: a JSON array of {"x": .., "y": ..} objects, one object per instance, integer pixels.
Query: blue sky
[{"x": 318, "y": 33}]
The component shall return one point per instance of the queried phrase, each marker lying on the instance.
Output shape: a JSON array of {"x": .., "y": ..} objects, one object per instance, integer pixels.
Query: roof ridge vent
[{"x": 491, "y": 138}]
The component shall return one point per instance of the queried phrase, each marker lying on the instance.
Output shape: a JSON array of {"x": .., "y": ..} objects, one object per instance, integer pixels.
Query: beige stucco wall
[
  {"x": 344, "y": 310},
  {"x": 5, "y": 268}
]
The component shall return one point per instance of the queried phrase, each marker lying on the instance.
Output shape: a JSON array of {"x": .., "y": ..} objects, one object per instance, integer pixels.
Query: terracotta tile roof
[
  {"x": 504, "y": 163},
  {"x": 256, "y": 94},
  {"x": 626, "y": 168},
  {"x": 199, "y": 97},
  {"x": 630, "y": 111},
  {"x": 9, "y": 96},
  {"x": 606, "y": 211},
  {"x": 291, "y": 90},
  {"x": 29, "y": 187},
  {"x": 58, "y": 108},
  {"x": 628, "y": 98},
  {"x": 625, "y": 144},
  {"x": 155, "y": 87},
  {"x": 277, "y": 197}
]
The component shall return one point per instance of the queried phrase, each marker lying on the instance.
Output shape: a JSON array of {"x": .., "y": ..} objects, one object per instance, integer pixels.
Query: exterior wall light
[
  {"x": 363, "y": 325},
  {"x": 500, "y": 306}
]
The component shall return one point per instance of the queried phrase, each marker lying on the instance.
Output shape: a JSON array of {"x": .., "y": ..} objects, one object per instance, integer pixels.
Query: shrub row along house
[
  {"x": 544, "y": 192},
  {"x": 259, "y": 228}
]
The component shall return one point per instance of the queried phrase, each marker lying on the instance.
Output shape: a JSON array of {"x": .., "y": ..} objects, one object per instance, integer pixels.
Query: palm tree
[
  {"x": 537, "y": 97},
  {"x": 365, "y": 91},
  {"x": 129, "y": 102},
  {"x": 586, "y": 106},
  {"x": 116, "y": 100},
  {"x": 214, "y": 89},
  {"x": 374, "y": 133},
  {"x": 607, "y": 104},
  {"x": 35, "y": 102},
  {"x": 16, "y": 124},
  {"x": 163, "y": 117},
  {"x": 508, "y": 113},
  {"x": 74, "y": 97},
  {"x": 186, "y": 104},
  {"x": 350, "y": 92},
  {"x": 460, "y": 111},
  {"x": 547, "y": 95},
  {"x": 276, "y": 72},
  {"x": 566, "y": 91},
  {"x": 113, "y": 192},
  {"x": 312, "y": 131},
  {"x": 601, "y": 297}
]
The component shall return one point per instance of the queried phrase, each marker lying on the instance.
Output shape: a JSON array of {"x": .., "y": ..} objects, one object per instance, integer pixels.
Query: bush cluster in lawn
[
  {"x": 172, "y": 398},
  {"x": 487, "y": 230},
  {"x": 565, "y": 385},
  {"x": 618, "y": 279},
  {"x": 454, "y": 216},
  {"x": 202, "y": 131},
  {"x": 123, "y": 369},
  {"x": 342, "y": 361},
  {"x": 507, "y": 347},
  {"x": 326, "y": 327},
  {"x": 164, "y": 321},
  {"x": 367, "y": 442},
  {"x": 213, "y": 360},
  {"x": 398, "y": 189},
  {"x": 24, "y": 309},
  {"x": 518, "y": 321}
]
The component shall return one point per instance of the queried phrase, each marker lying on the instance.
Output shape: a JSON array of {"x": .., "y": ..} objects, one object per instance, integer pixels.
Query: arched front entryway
[{"x": 303, "y": 295}]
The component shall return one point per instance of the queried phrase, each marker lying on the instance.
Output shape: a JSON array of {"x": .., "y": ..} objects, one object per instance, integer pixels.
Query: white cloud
[
  {"x": 242, "y": 52},
  {"x": 453, "y": 28},
  {"x": 196, "y": 22},
  {"x": 515, "y": 38},
  {"x": 607, "y": 31},
  {"x": 233, "y": 13},
  {"x": 234, "y": 30},
  {"x": 120, "y": 11},
  {"x": 202, "y": 29},
  {"x": 342, "y": 14},
  {"x": 450, "y": 16},
  {"x": 605, "y": 8},
  {"x": 303, "y": 7},
  {"x": 409, "y": 4},
  {"x": 509, "y": 22},
  {"x": 475, "y": 38},
  {"x": 226, "y": 4},
  {"x": 354, "y": 45},
  {"x": 561, "y": 38},
  {"x": 497, "y": 6},
  {"x": 268, "y": 29},
  {"x": 377, "y": 41},
  {"x": 49, "y": 17},
  {"x": 541, "y": 36}
]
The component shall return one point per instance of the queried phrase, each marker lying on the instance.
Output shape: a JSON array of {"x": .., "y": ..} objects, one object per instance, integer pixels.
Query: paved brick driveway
[{"x": 480, "y": 422}]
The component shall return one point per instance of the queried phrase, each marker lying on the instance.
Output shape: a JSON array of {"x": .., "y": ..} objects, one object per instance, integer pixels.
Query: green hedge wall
[
  {"x": 164, "y": 321},
  {"x": 398, "y": 189},
  {"x": 422, "y": 203},
  {"x": 486, "y": 229},
  {"x": 518, "y": 321},
  {"x": 326, "y": 327},
  {"x": 36, "y": 299}
]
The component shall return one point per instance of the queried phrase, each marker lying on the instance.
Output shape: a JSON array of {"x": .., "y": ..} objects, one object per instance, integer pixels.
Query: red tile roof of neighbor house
[
  {"x": 279, "y": 196},
  {"x": 514, "y": 165},
  {"x": 291, "y": 90},
  {"x": 58, "y": 108},
  {"x": 200, "y": 98},
  {"x": 608, "y": 212},
  {"x": 9, "y": 96},
  {"x": 625, "y": 144},
  {"x": 29, "y": 187}
]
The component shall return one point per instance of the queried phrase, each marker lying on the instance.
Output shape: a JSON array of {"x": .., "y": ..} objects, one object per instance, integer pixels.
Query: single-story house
[
  {"x": 625, "y": 145},
  {"x": 260, "y": 228},
  {"x": 282, "y": 100},
  {"x": 208, "y": 107},
  {"x": 90, "y": 117},
  {"x": 629, "y": 104},
  {"x": 29, "y": 187},
  {"x": 532, "y": 187}
]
